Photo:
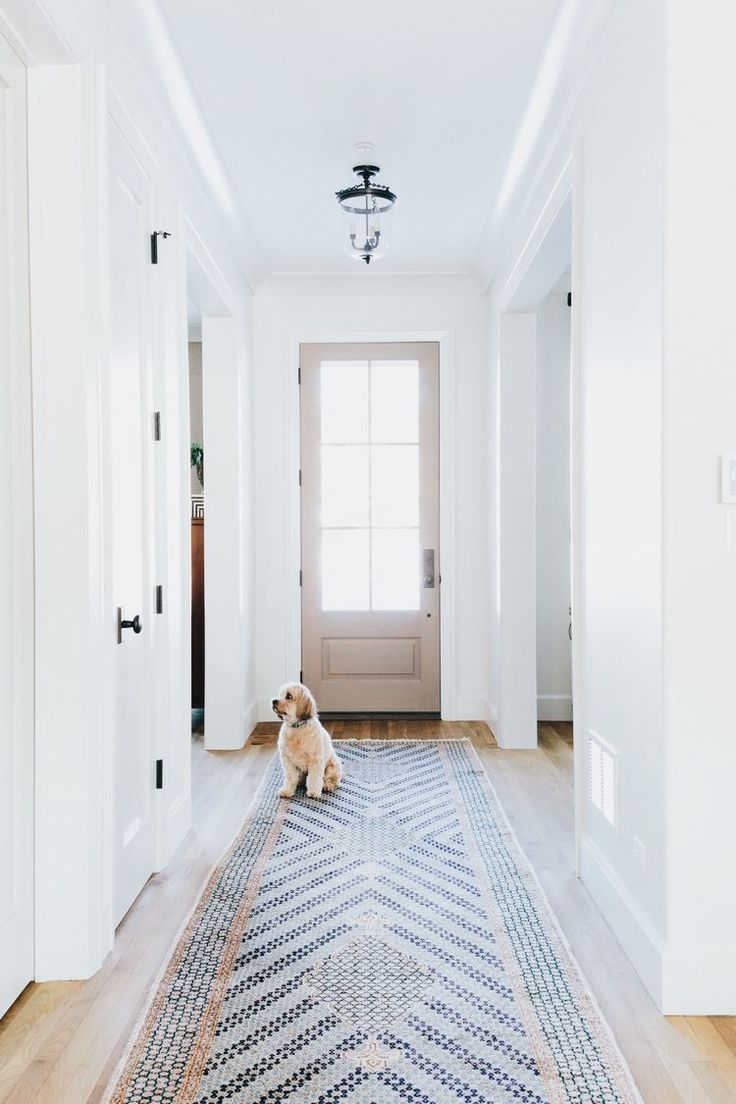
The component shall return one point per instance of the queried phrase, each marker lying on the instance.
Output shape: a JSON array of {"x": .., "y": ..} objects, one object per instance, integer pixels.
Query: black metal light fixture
[{"x": 366, "y": 204}]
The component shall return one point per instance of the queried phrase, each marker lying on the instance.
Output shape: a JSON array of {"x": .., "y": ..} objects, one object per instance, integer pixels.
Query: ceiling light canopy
[{"x": 367, "y": 206}]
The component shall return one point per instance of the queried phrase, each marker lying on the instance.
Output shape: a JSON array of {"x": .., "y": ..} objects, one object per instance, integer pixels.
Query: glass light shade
[{"x": 367, "y": 233}]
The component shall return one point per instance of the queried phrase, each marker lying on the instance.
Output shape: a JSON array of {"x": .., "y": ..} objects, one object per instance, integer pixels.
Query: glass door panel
[{"x": 369, "y": 434}]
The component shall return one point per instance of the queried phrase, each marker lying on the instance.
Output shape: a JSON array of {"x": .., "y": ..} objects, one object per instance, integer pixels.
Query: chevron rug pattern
[{"x": 388, "y": 944}]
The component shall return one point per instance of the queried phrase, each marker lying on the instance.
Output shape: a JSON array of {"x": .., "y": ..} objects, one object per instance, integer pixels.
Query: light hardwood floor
[{"x": 60, "y": 1041}]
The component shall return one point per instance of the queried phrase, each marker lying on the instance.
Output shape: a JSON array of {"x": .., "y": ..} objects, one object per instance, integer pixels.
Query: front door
[
  {"x": 131, "y": 425},
  {"x": 16, "y": 544},
  {"x": 370, "y": 556}
]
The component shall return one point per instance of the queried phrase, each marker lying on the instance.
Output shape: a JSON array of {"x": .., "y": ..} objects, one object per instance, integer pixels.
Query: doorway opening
[
  {"x": 552, "y": 507},
  {"x": 539, "y": 502},
  {"x": 214, "y": 513},
  {"x": 197, "y": 515}
]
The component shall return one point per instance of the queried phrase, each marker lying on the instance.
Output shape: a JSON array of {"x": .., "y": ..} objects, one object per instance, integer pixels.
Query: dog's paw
[
  {"x": 286, "y": 793},
  {"x": 314, "y": 793}
]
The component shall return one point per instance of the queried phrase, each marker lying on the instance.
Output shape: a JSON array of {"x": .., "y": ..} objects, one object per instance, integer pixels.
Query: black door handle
[{"x": 135, "y": 625}]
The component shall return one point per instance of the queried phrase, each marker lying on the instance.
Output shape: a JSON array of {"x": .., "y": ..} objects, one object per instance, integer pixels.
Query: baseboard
[
  {"x": 491, "y": 715},
  {"x": 642, "y": 945},
  {"x": 263, "y": 711},
  {"x": 554, "y": 707},
  {"x": 251, "y": 718},
  {"x": 468, "y": 708}
]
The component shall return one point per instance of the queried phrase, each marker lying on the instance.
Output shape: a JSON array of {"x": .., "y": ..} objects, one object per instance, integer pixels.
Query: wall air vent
[{"x": 603, "y": 777}]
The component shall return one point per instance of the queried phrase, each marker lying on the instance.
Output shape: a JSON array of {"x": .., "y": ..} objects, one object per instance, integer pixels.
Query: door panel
[
  {"x": 16, "y": 544},
  {"x": 130, "y": 450},
  {"x": 370, "y": 612}
]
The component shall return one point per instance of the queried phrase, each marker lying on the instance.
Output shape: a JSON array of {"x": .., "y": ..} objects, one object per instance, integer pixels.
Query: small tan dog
[{"x": 305, "y": 746}]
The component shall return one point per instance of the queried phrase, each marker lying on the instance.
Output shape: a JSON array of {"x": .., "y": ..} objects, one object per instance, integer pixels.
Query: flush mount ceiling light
[{"x": 366, "y": 205}]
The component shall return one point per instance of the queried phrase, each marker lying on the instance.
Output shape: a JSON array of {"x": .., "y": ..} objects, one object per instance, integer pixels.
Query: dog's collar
[{"x": 298, "y": 724}]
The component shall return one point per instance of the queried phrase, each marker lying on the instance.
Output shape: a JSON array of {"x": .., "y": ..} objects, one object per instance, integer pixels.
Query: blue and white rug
[{"x": 388, "y": 944}]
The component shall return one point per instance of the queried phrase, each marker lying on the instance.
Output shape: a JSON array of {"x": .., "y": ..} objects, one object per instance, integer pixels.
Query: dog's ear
[{"x": 306, "y": 706}]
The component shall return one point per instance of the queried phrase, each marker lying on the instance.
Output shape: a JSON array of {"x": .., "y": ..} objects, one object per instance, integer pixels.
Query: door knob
[{"x": 135, "y": 625}]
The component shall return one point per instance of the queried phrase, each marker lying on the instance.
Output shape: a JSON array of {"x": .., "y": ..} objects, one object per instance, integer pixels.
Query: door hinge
[
  {"x": 301, "y": 676},
  {"x": 157, "y": 425},
  {"x": 154, "y": 243},
  {"x": 159, "y": 774},
  {"x": 300, "y": 477},
  {"x": 299, "y": 376},
  {"x": 159, "y": 599},
  {"x": 300, "y": 576},
  {"x": 569, "y": 298}
]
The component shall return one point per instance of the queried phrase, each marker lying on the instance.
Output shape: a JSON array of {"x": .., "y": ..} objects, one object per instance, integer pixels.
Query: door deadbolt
[{"x": 428, "y": 568}]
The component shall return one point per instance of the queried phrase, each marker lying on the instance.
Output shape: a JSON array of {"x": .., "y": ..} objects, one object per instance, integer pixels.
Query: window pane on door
[
  {"x": 395, "y": 569},
  {"x": 394, "y": 400},
  {"x": 395, "y": 485},
  {"x": 344, "y": 401},
  {"x": 345, "y": 569},
  {"x": 345, "y": 485}
]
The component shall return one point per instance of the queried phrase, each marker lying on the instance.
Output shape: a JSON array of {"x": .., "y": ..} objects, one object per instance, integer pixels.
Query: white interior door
[
  {"x": 16, "y": 544},
  {"x": 370, "y": 556},
  {"x": 131, "y": 420}
]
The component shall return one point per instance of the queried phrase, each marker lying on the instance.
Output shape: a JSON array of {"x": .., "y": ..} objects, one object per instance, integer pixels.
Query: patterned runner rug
[{"x": 388, "y": 944}]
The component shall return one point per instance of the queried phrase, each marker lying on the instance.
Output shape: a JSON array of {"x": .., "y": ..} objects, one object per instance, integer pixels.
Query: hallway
[{"x": 62, "y": 1040}]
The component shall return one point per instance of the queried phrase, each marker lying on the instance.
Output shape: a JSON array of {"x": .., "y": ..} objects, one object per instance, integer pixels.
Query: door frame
[
  {"x": 527, "y": 281},
  {"x": 291, "y": 444},
  {"x": 229, "y": 718},
  {"x": 19, "y": 456}
]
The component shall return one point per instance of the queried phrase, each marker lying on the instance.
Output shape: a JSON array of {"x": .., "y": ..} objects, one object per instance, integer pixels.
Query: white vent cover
[{"x": 603, "y": 777}]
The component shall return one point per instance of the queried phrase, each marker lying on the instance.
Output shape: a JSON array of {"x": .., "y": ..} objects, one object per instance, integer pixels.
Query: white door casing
[
  {"x": 16, "y": 543},
  {"x": 370, "y": 526},
  {"x": 131, "y": 442}
]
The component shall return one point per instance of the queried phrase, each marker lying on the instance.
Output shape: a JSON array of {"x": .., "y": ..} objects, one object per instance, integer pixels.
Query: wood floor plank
[{"x": 61, "y": 1041}]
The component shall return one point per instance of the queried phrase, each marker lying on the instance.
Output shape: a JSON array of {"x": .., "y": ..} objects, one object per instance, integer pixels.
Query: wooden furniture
[{"x": 198, "y": 613}]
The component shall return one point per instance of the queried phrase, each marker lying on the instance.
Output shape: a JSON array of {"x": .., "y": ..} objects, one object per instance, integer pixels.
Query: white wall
[
  {"x": 552, "y": 493},
  {"x": 287, "y": 310},
  {"x": 71, "y": 101},
  {"x": 646, "y": 152},
  {"x": 611, "y": 152},
  {"x": 699, "y": 586}
]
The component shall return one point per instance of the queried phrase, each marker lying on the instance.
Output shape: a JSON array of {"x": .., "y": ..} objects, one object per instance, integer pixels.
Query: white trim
[
  {"x": 554, "y": 707},
  {"x": 373, "y": 282},
  {"x": 556, "y": 199},
  {"x": 30, "y": 31},
  {"x": 577, "y": 501},
  {"x": 224, "y": 393},
  {"x": 250, "y": 719},
  {"x": 17, "y": 547},
  {"x": 567, "y": 187},
  {"x": 641, "y": 943},
  {"x": 448, "y": 627},
  {"x": 491, "y": 715},
  {"x": 74, "y": 717}
]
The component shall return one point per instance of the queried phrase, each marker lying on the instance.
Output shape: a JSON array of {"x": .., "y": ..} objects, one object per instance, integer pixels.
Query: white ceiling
[{"x": 288, "y": 86}]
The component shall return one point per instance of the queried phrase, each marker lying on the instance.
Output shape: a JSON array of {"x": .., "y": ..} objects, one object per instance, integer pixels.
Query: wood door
[
  {"x": 370, "y": 521},
  {"x": 131, "y": 418},
  {"x": 16, "y": 544}
]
